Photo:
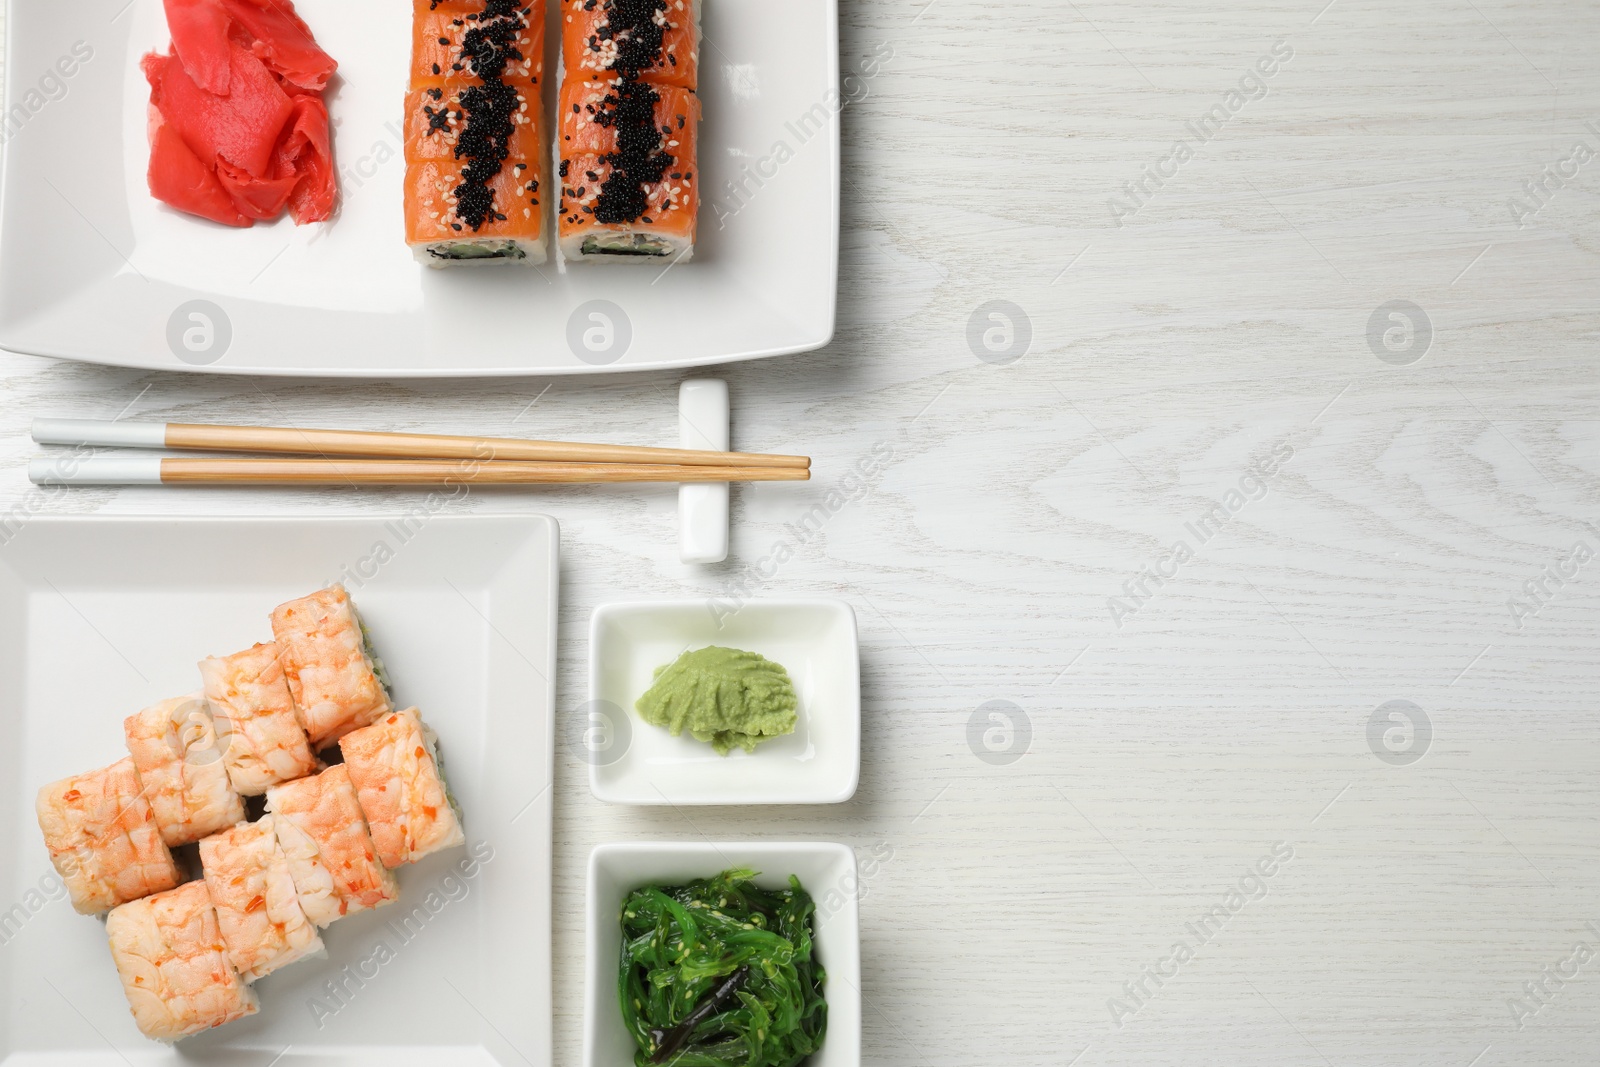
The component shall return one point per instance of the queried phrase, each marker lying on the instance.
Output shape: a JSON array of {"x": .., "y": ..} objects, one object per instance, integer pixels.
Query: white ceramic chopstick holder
[{"x": 703, "y": 423}]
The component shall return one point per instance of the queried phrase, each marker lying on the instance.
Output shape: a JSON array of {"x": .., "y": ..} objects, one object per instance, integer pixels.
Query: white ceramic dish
[
  {"x": 826, "y": 870},
  {"x": 633, "y": 762},
  {"x": 92, "y": 268},
  {"x": 101, "y": 616}
]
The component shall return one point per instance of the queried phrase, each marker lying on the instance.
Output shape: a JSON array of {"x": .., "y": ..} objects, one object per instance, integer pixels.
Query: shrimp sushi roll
[
  {"x": 169, "y": 953},
  {"x": 330, "y": 852},
  {"x": 258, "y": 911},
  {"x": 394, "y": 765},
  {"x": 474, "y": 142},
  {"x": 328, "y": 665},
  {"x": 628, "y": 170},
  {"x": 647, "y": 40},
  {"x": 103, "y": 838},
  {"x": 174, "y": 748},
  {"x": 263, "y": 742}
]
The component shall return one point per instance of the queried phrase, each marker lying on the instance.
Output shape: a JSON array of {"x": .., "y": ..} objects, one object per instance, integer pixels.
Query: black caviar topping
[
  {"x": 490, "y": 109},
  {"x": 632, "y": 26},
  {"x": 630, "y": 108}
]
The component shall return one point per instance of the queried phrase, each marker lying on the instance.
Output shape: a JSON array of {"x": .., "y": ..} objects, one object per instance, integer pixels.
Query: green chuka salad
[{"x": 720, "y": 972}]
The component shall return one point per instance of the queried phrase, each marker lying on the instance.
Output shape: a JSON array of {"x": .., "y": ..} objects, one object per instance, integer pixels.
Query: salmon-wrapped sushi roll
[
  {"x": 258, "y": 911},
  {"x": 462, "y": 203},
  {"x": 474, "y": 145},
  {"x": 330, "y": 852},
  {"x": 649, "y": 40},
  {"x": 263, "y": 742},
  {"x": 394, "y": 765},
  {"x": 330, "y": 670},
  {"x": 173, "y": 964},
  {"x": 449, "y": 39},
  {"x": 628, "y": 170},
  {"x": 174, "y": 748},
  {"x": 103, "y": 838}
]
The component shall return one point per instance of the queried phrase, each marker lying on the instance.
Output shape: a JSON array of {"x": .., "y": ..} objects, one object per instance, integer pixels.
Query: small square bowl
[
  {"x": 637, "y": 763},
  {"x": 826, "y": 870}
]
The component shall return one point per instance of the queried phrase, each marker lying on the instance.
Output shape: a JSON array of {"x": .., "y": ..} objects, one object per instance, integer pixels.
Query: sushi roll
[
  {"x": 394, "y": 765},
  {"x": 103, "y": 838},
  {"x": 258, "y": 911},
  {"x": 169, "y": 953},
  {"x": 263, "y": 742},
  {"x": 628, "y": 170},
  {"x": 646, "y": 40},
  {"x": 174, "y": 748},
  {"x": 445, "y": 50},
  {"x": 327, "y": 664},
  {"x": 474, "y": 140},
  {"x": 330, "y": 852}
]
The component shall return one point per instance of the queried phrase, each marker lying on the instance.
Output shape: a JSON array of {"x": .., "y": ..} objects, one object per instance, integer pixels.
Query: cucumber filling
[
  {"x": 478, "y": 250},
  {"x": 626, "y": 244}
]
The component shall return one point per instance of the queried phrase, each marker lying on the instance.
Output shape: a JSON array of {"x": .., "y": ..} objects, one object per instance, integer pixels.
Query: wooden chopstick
[
  {"x": 178, "y": 470},
  {"x": 326, "y": 443}
]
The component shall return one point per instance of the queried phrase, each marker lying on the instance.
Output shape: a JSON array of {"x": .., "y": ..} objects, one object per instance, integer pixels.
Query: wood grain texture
[{"x": 1225, "y": 321}]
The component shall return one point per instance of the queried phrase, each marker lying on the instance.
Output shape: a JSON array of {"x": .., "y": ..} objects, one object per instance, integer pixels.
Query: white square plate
[
  {"x": 101, "y": 616},
  {"x": 826, "y": 870},
  {"x": 633, "y": 762},
  {"x": 92, "y": 268}
]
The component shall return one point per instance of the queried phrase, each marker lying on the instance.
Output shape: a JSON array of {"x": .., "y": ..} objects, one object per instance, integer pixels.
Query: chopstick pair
[{"x": 405, "y": 459}]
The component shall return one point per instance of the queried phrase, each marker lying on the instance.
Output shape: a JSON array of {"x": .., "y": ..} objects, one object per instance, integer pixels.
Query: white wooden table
[{"x": 1374, "y": 524}]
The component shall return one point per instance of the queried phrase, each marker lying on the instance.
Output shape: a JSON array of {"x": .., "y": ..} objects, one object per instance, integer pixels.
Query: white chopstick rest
[
  {"x": 67, "y": 469},
  {"x": 703, "y": 509},
  {"x": 99, "y": 433}
]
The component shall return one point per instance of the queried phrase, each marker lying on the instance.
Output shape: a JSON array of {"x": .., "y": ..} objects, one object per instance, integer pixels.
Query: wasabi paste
[{"x": 724, "y": 696}]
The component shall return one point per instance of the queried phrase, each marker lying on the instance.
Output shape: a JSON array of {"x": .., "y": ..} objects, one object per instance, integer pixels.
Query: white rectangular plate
[
  {"x": 101, "y": 616},
  {"x": 92, "y": 268}
]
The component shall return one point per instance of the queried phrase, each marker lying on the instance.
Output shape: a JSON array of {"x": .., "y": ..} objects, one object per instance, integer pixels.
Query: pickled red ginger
[{"x": 238, "y": 126}]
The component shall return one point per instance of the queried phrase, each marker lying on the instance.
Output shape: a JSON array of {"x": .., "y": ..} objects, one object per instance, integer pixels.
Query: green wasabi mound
[{"x": 725, "y": 696}]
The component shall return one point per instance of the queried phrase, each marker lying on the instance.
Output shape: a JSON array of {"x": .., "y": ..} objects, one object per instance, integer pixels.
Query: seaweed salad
[{"x": 721, "y": 972}]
